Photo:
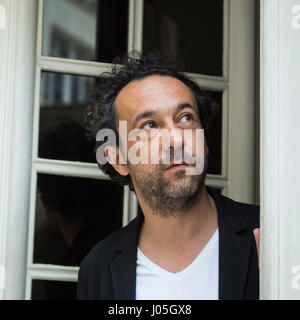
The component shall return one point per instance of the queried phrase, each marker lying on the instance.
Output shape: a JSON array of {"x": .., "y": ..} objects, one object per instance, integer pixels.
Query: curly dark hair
[{"x": 101, "y": 113}]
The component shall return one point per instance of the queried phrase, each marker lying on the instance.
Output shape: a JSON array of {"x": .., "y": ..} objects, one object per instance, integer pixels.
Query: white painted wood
[
  {"x": 280, "y": 153},
  {"x": 5, "y": 134},
  {"x": 209, "y": 82},
  {"x": 126, "y": 205},
  {"x": 17, "y": 79},
  {"x": 225, "y": 142},
  {"x": 71, "y": 66},
  {"x": 218, "y": 183},
  {"x": 70, "y": 168},
  {"x": 2, "y": 17},
  {"x": 130, "y": 206},
  {"x": 226, "y": 37},
  {"x": 133, "y": 206},
  {"x": 135, "y": 26},
  {"x": 241, "y": 104},
  {"x": 31, "y": 221},
  {"x": 39, "y": 28},
  {"x": 131, "y": 15},
  {"x": 53, "y": 272},
  {"x": 269, "y": 151},
  {"x": 49, "y": 272}
]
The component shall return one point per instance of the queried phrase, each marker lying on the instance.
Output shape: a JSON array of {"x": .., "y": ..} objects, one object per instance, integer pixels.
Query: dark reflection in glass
[
  {"x": 190, "y": 31},
  {"x": 63, "y": 100},
  {"x": 214, "y": 136},
  {"x": 53, "y": 290},
  {"x": 72, "y": 215},
  {"x": 94, "y": 30}
]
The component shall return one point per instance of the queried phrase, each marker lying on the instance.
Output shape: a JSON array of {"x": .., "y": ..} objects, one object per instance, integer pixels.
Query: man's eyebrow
[
  {"x": 142, "y": 115},
  {"x": 185, "y": 105},
  {"x": 147, "y": 114}
]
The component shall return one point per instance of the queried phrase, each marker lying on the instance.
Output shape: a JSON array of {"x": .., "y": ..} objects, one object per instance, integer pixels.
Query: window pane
[
  {"x": 191, "y": 31},
  {"x": 53, "y": 290},
  {"x": 72, "y": 215},
  {"x": 214, "y": 137},
  {"x": 63, "y": 100},
  {"x": 93, "y": 30}
]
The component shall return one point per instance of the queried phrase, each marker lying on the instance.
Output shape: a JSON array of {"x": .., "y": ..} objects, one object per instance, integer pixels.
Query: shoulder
[
  {"x": 105, "y": 250},
  {"x": 102, "y": 251},
  {"x": 249, "y": 212},
  {"x": 95, "y": 267}
]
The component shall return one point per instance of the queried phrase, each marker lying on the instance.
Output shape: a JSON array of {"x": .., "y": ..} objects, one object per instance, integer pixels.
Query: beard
[{"x": 167, "y": 198}]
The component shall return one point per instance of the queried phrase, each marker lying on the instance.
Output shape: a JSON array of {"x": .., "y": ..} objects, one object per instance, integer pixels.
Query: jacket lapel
[
  {"x": 234, "y": 255},
  {"x": 123, "y": 267},
  {"x": 123, "y": 270},
  {"x": 234, "y": 250}
]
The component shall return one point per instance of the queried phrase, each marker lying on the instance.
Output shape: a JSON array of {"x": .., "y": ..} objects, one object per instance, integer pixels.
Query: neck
[{"x": 171, "y": 231}]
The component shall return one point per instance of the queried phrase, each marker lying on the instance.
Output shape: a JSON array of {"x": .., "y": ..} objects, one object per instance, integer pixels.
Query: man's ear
[{"x": 113, "y": 156}]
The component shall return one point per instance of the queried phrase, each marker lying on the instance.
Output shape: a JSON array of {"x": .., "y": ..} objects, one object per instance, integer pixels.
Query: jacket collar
[
  {"x": 123, "y": 267},
  {"x": 234, "y": 250},
  {"x": 234, "y": 253}
]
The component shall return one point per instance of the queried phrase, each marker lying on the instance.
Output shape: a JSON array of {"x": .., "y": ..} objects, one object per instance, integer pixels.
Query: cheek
[
  {"x": 195, "y": 142},
  {"x": 138, "y": 152},
  {"x": 147, "y": 151}
]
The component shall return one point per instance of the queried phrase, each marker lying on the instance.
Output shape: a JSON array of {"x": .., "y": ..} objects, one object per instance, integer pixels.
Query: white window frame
[
  {"x": 17, "y": 64},
  {"x": 66, "y": 168}
]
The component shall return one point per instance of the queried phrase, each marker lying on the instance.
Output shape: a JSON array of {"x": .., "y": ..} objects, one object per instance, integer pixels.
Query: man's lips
[{"x": 176, "y": 165}]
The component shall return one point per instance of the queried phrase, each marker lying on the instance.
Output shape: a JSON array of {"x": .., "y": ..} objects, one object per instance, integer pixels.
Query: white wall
[{"x": 280, "y": 149}]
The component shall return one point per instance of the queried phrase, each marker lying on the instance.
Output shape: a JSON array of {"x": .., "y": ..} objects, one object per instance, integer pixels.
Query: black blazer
[{"x": 109, "y": 271}]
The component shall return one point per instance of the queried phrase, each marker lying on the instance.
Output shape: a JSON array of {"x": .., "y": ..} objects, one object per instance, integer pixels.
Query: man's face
[{"x": 153, "y": 104}]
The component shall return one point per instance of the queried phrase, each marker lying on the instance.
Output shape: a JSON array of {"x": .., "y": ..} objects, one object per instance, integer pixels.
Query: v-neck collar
[{"x": 176, "y": 275}]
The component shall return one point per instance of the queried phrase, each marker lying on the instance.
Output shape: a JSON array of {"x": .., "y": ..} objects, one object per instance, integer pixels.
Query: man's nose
[{"x": 175, "y": 136}]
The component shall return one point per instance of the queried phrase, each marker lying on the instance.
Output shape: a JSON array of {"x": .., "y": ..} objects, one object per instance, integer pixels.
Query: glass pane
[
  {"x": 63, "y": 100},
  {"x": 72, "y": 215},
  {"x": 93, "y": 30},
  {"x": 53, "y": 290},
  {"x": 190, "y": 31},
  {"x": 214, "y": 137}
]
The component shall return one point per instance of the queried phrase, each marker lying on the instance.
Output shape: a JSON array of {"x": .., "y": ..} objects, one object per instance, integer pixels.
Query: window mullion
[{"x": 135, "y": 25}]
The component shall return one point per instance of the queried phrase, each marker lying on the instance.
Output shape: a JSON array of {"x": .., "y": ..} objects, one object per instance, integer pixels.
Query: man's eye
[
  {"x": 186, "y": 118},
  {"x": 148, "y": 125}
]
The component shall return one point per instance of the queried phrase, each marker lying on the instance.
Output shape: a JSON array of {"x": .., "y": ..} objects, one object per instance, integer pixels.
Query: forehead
[{"x": 156, "y": 93}]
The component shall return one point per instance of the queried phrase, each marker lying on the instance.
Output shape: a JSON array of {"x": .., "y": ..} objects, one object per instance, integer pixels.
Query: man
[{"x": 190, "y": 242}]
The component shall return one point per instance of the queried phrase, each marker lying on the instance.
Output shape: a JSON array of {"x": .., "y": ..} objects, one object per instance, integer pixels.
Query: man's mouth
[{"x": 173, "y": 166}]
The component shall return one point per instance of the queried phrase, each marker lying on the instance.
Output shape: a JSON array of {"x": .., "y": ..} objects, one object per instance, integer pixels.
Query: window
[
  {"x": 77, "y": 40},
  {"x": 73, "y": 204}
]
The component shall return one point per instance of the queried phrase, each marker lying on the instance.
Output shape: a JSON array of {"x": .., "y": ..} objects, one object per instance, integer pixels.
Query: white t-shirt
[{"x": 198, "y": 281}]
